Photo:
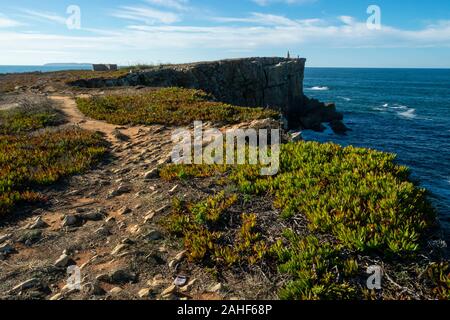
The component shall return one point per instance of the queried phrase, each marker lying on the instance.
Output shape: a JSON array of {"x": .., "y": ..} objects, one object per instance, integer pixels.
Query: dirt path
[{"x": 75, "y": 116}]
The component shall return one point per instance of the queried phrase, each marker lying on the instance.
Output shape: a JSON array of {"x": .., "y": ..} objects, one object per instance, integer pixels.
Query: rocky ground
[{"x": 107, "y": 222}]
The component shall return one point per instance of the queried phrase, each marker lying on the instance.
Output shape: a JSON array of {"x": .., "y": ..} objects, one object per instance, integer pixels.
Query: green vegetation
[
  {"x": 356, "y": 202},
  {"x": 202, "y": 227},
  {"x": 27, "y": 117},
  {"x": 360, "y": 196},
  {"x": 167, "y": 106},
  {"x": 315, "y": 267},
  {"x": 31, "y": 158},
  {"x": 439, "y": 274}
]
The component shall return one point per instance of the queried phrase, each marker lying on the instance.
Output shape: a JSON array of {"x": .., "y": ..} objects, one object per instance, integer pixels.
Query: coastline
[{"x": 136, "y": 204}]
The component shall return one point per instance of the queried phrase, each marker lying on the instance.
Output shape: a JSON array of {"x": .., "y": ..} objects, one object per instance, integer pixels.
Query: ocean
[
  {"x": 50, "y": 68},
  {"x": 403, "y": 111}
]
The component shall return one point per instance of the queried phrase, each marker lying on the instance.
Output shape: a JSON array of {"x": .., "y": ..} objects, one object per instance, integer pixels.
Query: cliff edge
[{"x": 275, "y": 83}]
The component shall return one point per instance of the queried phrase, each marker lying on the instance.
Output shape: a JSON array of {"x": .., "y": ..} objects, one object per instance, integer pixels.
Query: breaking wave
[
  {"x": 318, "y": 88},
  {"x": 408, "y": 114}
]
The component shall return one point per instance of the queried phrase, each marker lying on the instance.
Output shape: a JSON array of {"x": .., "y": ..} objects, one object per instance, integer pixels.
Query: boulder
[{"x": 338, "y": 127}]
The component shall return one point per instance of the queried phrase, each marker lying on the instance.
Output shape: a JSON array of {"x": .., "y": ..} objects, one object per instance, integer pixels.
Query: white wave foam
[
  {"x": 385, "y": 105},
  {"x": 318, "y": 88},
  {"x": 409, "y": 114},
  {"x": 345, "y": 98},
  {"x": 399, "y": 107}
]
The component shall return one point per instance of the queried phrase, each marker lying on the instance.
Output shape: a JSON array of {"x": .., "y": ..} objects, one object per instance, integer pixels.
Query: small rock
[
  {"x": 110, "y": 219},
  {"x": 338, "y": 127},
  {"x": 169, "y": 290},
  {"x": 92, "y": 216},
  {"x": 37, "y": 224},
  {"x": 5, "y": 237},
  {"x": 30, "y": 237},
  {"x": 6, "y": 248},
  {"x": 134, "y": 229},
  {"x": 165, "y": 160},
  {"x": 70, "y": 221},
  {"x": 121, "y": 276},
  {"x": 178, "y": 258},
  {"x": 62, "y": 261},
  {"x": 144, "y": 293},
  {"x": 124, "y": 210},
  {"x": 103, "y": 231},
  {"x": 102, "y": 277},
  {"x": 188, "y": 286},
  {"x": 57, "y": 296},
  {"x": 93, "y": 288},
  {"x": 173, "y": 189},
  {"x": 127, "y": 241},
  {"x": 115, "y": 291},
  {"x": 32, "y": 283},
  {"x": 122, "y": 189},
  {"x": 151, "y": 174},
  {"x": 157, "y": 283},
  {"x": 149, "y": 216},
  {"x": 215, "y": 288},
  {"x": 119, "y": 249},
  {"x": 153, "y": 235},
  {"x": 120, "y": 136},
  {"x": 161, "y": 209}
]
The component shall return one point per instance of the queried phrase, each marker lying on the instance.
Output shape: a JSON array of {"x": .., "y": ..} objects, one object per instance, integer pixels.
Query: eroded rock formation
[{"x": 255, "y": 82}]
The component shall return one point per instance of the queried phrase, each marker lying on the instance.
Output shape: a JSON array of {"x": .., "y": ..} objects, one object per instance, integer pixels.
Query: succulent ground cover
[
  {"x": 34, "y": 152},
  {"x": 167, "y": 106},
  {"x": 352, "y": 203}
]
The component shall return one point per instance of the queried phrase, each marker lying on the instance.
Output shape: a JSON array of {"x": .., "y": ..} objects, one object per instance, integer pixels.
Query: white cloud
[
  {"x": 261, "y": 19},
  {"x": 264, "y": 3},
  {"x": 6, "y": 22},
  {"x": 180, "y": 5},
  {"x": 45, "y": 16},
  {"x": 146, "y": 15},
  {"x": 248, "y": 34}
]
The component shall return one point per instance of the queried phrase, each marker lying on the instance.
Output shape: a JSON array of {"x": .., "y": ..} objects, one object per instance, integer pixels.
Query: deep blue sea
[
  {"x": 403, "y": 111},
  {"x": 15, "y": 69}
]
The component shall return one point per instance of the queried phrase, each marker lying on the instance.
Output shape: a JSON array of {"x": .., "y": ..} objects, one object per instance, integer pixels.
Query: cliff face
[
  {"x": 266, "y": 82},
  {"x": 254, "y": 82}
]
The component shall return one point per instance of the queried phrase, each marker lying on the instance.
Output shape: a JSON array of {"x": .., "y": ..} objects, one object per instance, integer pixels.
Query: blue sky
[{"x": 413, "y": 33}]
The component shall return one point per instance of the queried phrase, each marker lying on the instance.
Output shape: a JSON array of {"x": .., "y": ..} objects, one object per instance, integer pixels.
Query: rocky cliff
[{"x": 256, "y": 82}]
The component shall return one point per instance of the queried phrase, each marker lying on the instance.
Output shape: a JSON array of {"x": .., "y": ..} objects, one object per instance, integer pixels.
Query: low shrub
[
  {"x": 203, "y": 227},
  {"x": 31, "y": 114},
  {"x": 167, "y": 106}
]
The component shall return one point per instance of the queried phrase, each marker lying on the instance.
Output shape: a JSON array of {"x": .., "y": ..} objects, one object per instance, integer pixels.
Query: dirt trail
[
  {"x": 100, "y": 219},
  {"x": 75, "y": 116}
]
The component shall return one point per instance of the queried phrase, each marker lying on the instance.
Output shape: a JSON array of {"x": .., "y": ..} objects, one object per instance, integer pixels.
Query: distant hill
[{"x": 67, "y": 64}]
